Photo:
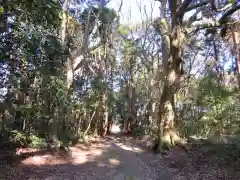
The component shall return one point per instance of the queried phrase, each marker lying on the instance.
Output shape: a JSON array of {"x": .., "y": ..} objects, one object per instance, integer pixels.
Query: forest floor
[{"x": 118, "y": 158}]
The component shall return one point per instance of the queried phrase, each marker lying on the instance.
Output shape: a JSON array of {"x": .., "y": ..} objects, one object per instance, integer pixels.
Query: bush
[
  {"x": 37, "y": 142},
  {"x": 139, "y": 131},
  {"x": 18, "y": 138},
  {"x": 214, "y": 112}
]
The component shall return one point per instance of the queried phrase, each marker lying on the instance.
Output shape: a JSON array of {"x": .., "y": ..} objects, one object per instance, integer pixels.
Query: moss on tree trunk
[{"x": 168, "y": 135}]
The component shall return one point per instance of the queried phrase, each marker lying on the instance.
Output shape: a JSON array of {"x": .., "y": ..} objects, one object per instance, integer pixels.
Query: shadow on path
[{"x": 106, "y": 158}]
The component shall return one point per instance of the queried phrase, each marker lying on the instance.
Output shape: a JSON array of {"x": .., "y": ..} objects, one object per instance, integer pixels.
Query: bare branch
[
  {"x": 89, "y": 66},
  {"x": 185, "y": 7},
  {"x": 194, "y": 6},
  {"x": 225, "y": 16},
  {"x": 182, "y": 8},
  {"x": 78, "y": 62},
  {"x": 193, "y": 18},
  {"x": 224, "y": 8},
  {"x": 221, "y": 22},
  {"x": 120, "y": 7},
  {"x": 162, "y": 8},
  {"x": 215, "y": 24}
]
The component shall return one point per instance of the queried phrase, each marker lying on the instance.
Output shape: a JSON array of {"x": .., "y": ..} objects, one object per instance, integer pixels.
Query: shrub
[
  {"x": 139, "y": 131},
  {"x": 37, "y": 142},
  {"x": 18, "y": 138}
]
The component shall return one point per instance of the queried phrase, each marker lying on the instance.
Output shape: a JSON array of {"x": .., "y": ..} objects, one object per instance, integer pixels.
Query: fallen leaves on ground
[{"x": 103, "y": 158}]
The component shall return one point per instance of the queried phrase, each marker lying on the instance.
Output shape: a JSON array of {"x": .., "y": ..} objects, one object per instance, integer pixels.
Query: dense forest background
[{"x": 70, "y": 69}]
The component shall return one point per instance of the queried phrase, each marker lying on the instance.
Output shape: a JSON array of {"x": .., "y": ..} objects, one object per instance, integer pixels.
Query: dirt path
[{"x": 108, "y": 158}]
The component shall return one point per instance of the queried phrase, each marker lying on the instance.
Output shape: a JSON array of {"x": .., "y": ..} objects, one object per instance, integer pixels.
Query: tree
[{"x": 175, "y": 33}]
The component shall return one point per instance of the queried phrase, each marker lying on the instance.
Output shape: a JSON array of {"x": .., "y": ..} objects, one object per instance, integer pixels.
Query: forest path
[{"x": 112, "y": 158}]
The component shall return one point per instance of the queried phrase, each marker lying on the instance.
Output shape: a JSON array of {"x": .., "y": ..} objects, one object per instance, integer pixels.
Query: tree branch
[
  {"x": 209, "y": 25},
  {"x": 181, "y": 10},
  {"x": 225, "y": 16},
  {"x": 221, "y": 22},
  {"x": 194, "y": 6},
  {"x": 185, "y": 7},
  {"x": 193, "y": 18}
]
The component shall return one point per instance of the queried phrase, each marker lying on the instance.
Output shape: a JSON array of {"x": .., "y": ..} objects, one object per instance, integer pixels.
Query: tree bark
[
  {"x": 105, "y": 111},
  {"x": 172, "y": 44},
  {"x": 89, "y": 124},
  {"x": 3, "y": 16},
  {"x": 236, "y": 47},
  {"x": 109, "y": 126}
]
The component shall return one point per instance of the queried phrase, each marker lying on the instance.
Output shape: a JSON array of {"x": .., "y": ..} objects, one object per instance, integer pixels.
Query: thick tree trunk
[
  {"x": 167, "y": 135},
  {"x": 167, "y": 130},
  {"x": 131, "y": 119},
  {"x": 172, "y": 44},
  {"x": 236, "y": 46},
  {"x": 64, "y": 38}
]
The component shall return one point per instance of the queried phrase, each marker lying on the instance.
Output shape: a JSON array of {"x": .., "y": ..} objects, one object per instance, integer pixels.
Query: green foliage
[
  {"x": 215, "y": 112},
  {"x": 1, "y": 10},
  {"x": 37, "y": 142},
  {"x": 139, "y": 131},
  {"x": 18, "y": 138},
  {"x": 232, "y": 1},
  {"x": 104, "y": 15},
  {"x": 45, "y": 13},
  {"x": 123, "y": 30},
  {"x": 212, "y": 94},
  {"x": 129, "y": 47},
  {"x": 38, "y": 106}
]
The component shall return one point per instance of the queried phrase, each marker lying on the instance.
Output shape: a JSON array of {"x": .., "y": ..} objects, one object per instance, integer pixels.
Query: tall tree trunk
[
  {"x": 64, "y": 38},
  {"x": 105, "y": 94},
  {"x": 89, "y": 124},
  {"x": 105, "y": 118},
  {"x": 152, "y": 98},
  {"x": 109, "y": 126},
  {"x": 236, "y": 47},
  {"x": 172, "y": 44},
  {"x": 132, "y": 112},
  {"x": 96, "y": 122},
  {"x": 133, "y": 107},
  {"x": 111, "y": 108},
  {"x": 3, "y": 16}
]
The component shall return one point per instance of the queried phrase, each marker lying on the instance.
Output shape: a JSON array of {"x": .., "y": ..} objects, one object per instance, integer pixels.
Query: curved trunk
[
  {"x": 172, "y": 63},
  {"x": 167, "y": 132},
  {"x": 89, "y": 124}
]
